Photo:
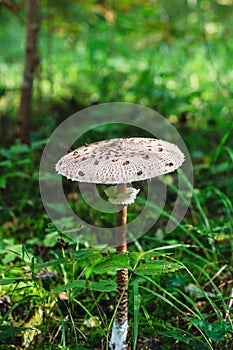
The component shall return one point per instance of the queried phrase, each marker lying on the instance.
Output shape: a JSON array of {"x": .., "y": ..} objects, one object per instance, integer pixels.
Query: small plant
[{"x": 121, "y": 161}]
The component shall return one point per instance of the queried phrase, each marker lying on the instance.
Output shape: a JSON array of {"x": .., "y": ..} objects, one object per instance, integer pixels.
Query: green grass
[{"x": 74, "y": 305}]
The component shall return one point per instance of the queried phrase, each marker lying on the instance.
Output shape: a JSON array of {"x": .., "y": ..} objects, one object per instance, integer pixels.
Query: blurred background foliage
[{"x": 172, "y": 56}]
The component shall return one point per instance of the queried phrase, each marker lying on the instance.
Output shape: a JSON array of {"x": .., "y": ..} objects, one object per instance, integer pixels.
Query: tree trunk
[{"x": 31, "y": 60}]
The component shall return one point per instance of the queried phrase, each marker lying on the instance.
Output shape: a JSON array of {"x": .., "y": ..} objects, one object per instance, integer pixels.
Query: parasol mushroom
[{"x": 118, "y": 162}]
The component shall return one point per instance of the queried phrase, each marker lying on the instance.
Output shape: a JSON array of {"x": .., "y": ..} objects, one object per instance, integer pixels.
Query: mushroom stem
[
  {"x": 121, "y": 220},
  {"x": 120, "y": 325}
]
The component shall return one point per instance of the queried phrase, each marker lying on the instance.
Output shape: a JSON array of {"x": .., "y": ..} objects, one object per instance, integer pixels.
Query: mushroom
[{"x": 118, "y": 162}]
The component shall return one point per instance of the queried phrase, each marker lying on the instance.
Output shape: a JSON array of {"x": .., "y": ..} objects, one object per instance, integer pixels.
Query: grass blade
[{"x": 136, "y": 313}]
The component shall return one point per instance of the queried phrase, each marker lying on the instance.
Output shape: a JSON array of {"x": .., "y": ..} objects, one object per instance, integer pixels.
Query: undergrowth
[{"x": 60, "y": 294}]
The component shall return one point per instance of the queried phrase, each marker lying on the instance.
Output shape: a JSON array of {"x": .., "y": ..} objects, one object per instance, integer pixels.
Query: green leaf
[
  {"x": 37, "y": 144},
  {"x": 2, "y": 182},
  {"x": 147, "y": 256},
  {"x": 6, "y": 281},
  {"x": 136, "y": 299},
  {"x": 185, "y": 337},
  {"x": 14, "y": 150},
  {"x": 75, "y": 284},
  {"x": 86, "y": 254},
  {"x": 215, "y": 331},
  {"x": 157, "y": 267},
  {"x": 151, "y": 255},
  {"x": 8, "y": 331},
  {"x": 112, "y": 263},
  {"x": 18, "y": 174},
  {"x": 103, "y": 286},
  {"x": 16, "y": 251},
  {"x": 6, "y": 163},
  {"x": 51, "y": 263},
  {"x": 26, "y": 299},
  {"x": 135, "y": 257},
  {"x": 196, "y": 292},
  {"x": 6, "y": 153},
  {"x": 50, "y": 239},
  {"x": 19, "y": 149}
]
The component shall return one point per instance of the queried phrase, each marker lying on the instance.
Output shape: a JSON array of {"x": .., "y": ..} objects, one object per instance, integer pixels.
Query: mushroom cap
[{"x": 120, "y": 160}]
